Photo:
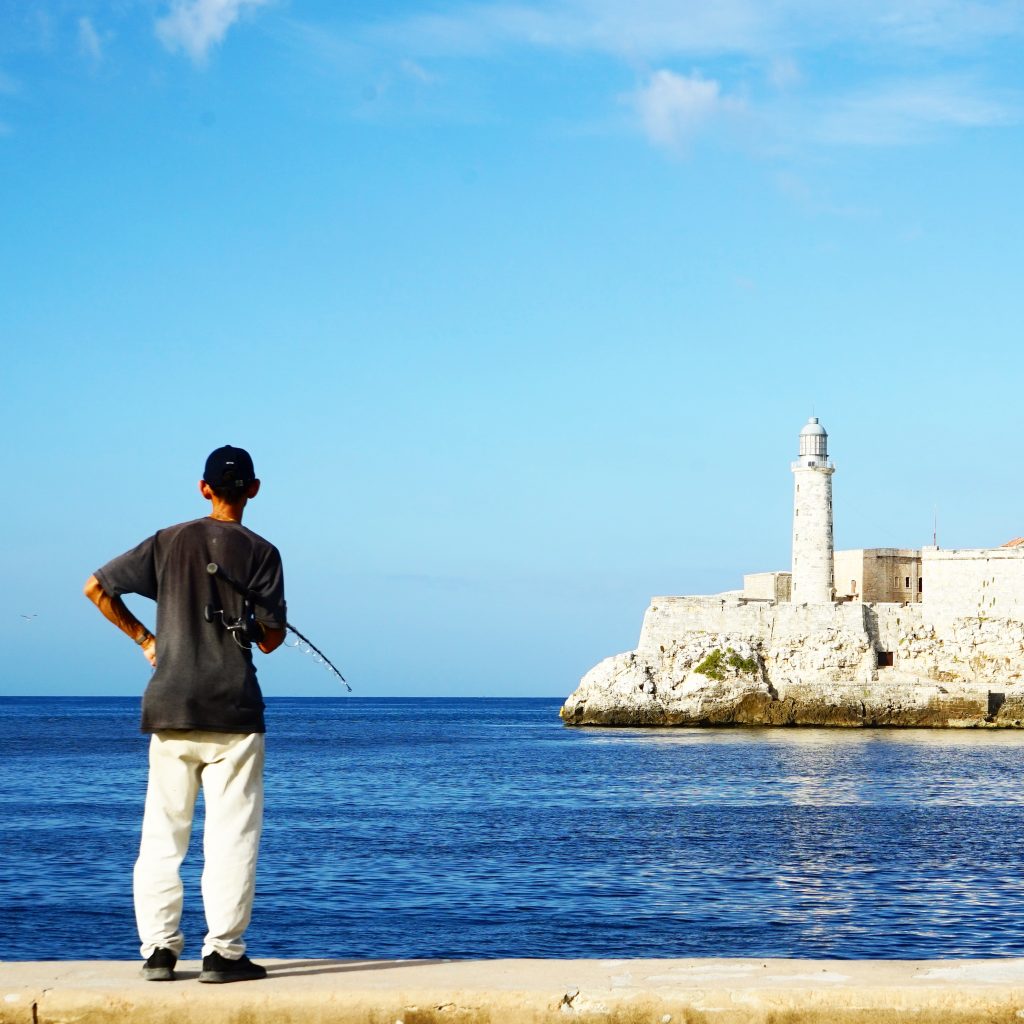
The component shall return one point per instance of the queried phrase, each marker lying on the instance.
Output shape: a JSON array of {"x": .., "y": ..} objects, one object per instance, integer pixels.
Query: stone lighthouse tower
[{"x": 812, "y": 518}]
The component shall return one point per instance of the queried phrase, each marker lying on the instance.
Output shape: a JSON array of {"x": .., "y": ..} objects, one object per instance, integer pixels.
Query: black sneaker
[
  {"x": 160, "y": 965},
  {"x": 219, "y": 969}
]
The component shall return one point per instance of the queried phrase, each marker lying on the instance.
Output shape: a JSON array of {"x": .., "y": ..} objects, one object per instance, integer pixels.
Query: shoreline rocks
[{"x": 801, "y": 670}]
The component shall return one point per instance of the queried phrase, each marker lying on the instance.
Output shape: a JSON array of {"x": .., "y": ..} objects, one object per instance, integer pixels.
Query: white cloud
[
  {"x": 755, "y": 49},
  {"x": 913, "y": 111},
  {"x": 196, "y": 25},
  {"x": 672, "y": 107},
  {"x": 89, "y": 42}
]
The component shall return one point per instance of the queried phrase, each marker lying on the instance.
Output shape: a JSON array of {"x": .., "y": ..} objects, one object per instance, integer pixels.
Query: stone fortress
[{"x": 867, "y": 637}]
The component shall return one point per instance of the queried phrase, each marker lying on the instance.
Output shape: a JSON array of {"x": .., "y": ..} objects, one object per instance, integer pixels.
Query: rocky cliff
[{"x": 723, "y": 661}]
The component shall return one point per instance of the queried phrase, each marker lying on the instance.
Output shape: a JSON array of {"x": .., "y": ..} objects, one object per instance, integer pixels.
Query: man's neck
[{"x": 227, "y": 512}]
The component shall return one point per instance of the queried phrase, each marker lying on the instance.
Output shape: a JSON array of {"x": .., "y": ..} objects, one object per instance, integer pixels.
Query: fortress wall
[
  {"x": 835, "y": 642},
  {"x": 668, "y": 618},
  {"x": 759, "y": 586},
  {"x": 944, "y": 645},
  {"x": 889, "y": 624},
  {"x": 849, "y": 573},
  {"x": 879, "y": 574},
  {"x": 767, "y": 586},
  {"x": 892, "y": 574},
  {"x": 816, "y": 665},
  {"x": 986, "y": 582}
]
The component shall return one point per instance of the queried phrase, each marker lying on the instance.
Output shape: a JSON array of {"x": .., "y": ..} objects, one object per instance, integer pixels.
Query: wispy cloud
[
  {"x": 912, "y": 111},
  {"x": 673, "y": 107},
  {"x": 644, "y": 28},
  {"x": 784, "y": 74},
  {"x": 655, "y": 29},
  {"x": 90, "y": 44},
  {"x": 778, "y": 55},
  {"x": 946, "y": 24},
  {"x": 195, "y": 26},
  {"x": 416, "y": 71}
]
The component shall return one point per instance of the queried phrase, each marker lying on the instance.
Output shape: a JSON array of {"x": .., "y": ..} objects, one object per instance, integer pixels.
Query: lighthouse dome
[{"x": 814, "y": 439}]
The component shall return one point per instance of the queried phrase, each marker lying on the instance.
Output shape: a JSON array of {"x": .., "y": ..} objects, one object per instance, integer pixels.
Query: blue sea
[{"x": 484, "y": 828}]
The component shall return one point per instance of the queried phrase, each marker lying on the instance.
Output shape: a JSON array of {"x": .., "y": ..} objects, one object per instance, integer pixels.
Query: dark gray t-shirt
[{"x": 203, "y": 678}]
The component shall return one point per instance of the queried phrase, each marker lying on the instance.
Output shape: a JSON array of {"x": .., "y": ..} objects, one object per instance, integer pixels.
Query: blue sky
[{"x": 519, "y": 308}]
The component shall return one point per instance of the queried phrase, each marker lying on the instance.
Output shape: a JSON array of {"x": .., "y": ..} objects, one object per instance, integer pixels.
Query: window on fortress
[
  {"x": 907, "y": 584},
  {"x": 885, "y": 659},
  {"x": 920, "y": 584},
  {"x": 895, "y": 581}
]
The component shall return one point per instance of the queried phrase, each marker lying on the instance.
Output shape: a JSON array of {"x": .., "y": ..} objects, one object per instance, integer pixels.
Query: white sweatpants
[{"x": 229, "y": 766}]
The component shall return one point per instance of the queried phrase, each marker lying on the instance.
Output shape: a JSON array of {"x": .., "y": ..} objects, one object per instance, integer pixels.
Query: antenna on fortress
[{"x": 935, "y": 528}]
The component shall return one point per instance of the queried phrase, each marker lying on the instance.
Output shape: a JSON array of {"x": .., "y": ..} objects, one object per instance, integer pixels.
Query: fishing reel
[{"x": 244, "y": 630}]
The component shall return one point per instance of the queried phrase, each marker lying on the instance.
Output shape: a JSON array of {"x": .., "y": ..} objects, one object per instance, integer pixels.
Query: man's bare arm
[
  {"x": 272, "y": 639},
  {"x": 116, "y": 611}
]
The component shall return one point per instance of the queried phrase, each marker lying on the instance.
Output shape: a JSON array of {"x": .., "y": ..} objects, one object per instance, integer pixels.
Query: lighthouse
[{"x": 812, "y": 518}]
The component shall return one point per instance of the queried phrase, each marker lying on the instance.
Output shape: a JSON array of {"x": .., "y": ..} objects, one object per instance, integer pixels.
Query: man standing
[{"x": 204, "y": 709}]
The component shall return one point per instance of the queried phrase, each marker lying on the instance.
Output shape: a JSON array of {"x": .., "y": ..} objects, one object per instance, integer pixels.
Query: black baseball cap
[{"x": 229, "y": 466}]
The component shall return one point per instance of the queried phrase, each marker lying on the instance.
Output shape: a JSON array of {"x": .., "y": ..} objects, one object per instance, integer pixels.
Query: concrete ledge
[{"x": 526, "y": 992}]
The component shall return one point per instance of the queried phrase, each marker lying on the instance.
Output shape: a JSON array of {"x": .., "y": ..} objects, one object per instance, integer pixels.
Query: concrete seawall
[{"x": 723, "y": 991}]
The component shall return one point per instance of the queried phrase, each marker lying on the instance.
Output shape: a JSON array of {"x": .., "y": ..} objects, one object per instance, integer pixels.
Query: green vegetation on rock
[{"x": 714, "y": 664}]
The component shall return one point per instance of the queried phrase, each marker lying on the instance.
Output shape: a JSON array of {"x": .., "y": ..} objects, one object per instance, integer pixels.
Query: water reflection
[
  {"x": 805, "y": 736},
  {"x": 825, "y": 767}
]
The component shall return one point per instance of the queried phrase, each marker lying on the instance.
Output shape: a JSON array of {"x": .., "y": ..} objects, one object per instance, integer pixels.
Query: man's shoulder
[
  {"x": 189, "y": 526},
  {"x": 258, "y": 540},
  {"x": 198, "y": 531}
]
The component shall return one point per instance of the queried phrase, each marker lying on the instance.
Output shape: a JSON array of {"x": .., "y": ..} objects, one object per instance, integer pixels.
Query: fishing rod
[{"x": 246, "y": 627}]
